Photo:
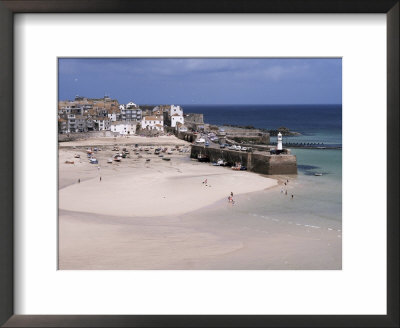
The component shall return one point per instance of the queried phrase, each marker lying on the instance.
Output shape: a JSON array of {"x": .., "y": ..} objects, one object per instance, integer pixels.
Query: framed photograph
[{"x": 203, "y": 164}]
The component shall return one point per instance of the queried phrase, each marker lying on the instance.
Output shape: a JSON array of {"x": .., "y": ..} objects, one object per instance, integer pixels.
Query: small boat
[
  {"x": 169, "y": 153},
  {"x": 109, "y": 160},
  {"x": 77, "y": 156},
  {"x": 147, "y": 159},
  {"x": 161, "y": 155},
  {"x": 166, "y": 159},
  {"x": 318, "y": 174},
  {"x": 117, "y": 158},
  {"x": 69, "y": 162},
  {"x": 115, "y": 149},
  {"x": 137, "y": 153},
  {"x": 93, "y": 161}
]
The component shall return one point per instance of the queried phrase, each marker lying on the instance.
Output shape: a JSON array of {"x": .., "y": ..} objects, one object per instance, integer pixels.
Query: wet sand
[{"x": 159, "y": 215}]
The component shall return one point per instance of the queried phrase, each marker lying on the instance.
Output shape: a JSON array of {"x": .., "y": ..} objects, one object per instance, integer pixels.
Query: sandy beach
[{"x": 162, "y": 215}]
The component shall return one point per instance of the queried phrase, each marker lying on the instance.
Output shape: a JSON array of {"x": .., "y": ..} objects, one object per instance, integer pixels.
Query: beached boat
[
  {"x": 166, "y": 159},
  {"x": 77, "y": 156},
  {"x": 117, "y": 158},
  {"x": 93, "y": 161},
  {"x": 69, "y": 162},
  {"x": 201, "y": 140},
  {"x": 147, "y": 159},
  {"x": 169, "y": 153},
  {"x": 115, "y": 149},
  {"x": 109, "y": 161},
  {"x": 161, "y": 155},
  {"x": 318, "y": 174}
]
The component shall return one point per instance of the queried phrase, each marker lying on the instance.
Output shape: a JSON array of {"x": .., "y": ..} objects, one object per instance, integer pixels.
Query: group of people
[{"x": 283, "y": 190}]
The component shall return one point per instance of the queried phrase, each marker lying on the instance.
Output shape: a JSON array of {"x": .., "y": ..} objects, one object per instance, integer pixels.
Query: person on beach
[
  {"x": 100, "y": 179},
  {"x": 231, "y": 194},
  {"x": 282, "y": 190},
  {"x": 79, "y": 180},
  {"x": 286, "y": 192},
  {"x": 292, "y": 196}
]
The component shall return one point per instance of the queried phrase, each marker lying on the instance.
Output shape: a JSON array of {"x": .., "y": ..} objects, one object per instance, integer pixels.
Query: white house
[
  {"x": 176, "y": 118},
  {"x": 123, "y": 128},
  {"x": 176, "y": 110},
  {"x": 112, "y": 116},
  {"x": 153, "y": 122},
  {"x": 131, "y": 105}
]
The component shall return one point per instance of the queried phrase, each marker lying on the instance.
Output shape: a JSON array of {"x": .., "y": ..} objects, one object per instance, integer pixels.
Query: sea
[{"x": 317, "y": 200}]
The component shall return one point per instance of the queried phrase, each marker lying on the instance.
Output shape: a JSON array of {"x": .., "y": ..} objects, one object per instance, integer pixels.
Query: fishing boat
[
  {"x": 109, "y": 161},
  {"x": 117, "y": 158},
  {"x": 166, "y": 159}
]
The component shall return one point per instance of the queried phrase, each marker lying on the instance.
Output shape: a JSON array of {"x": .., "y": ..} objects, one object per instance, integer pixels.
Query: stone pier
[{"x": 259, "y": 162}]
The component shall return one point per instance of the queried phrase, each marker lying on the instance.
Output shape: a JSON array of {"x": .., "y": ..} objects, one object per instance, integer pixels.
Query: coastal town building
[
  {"x": 130, "y": 112},
  {"x": 180, "y": 127},
  {"x": 194, "y": 121},
  {"x": 176, "y": 118},
  {"x": 84, "y": 114},
  {"x": 123, "y": 127},
  {"x": 153, "y": 123},
  {"x": 102, "y": 124}
]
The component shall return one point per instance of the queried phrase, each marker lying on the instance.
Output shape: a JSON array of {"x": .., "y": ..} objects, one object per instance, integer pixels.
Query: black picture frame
[{"x": 10, "y": 7}]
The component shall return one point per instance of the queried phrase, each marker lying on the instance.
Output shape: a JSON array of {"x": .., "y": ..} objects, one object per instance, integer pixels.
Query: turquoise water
[{"x": 317, "y": 200}]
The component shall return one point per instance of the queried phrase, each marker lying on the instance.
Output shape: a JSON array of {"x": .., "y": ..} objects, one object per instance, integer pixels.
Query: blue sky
[{"x": 203, "y": 81}]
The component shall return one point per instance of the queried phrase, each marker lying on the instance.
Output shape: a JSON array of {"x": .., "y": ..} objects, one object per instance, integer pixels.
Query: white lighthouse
[{"x": 279, "y": 144}]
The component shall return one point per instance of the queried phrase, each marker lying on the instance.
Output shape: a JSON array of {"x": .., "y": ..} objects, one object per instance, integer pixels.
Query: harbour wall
[{"x": 255, "y": 162}]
